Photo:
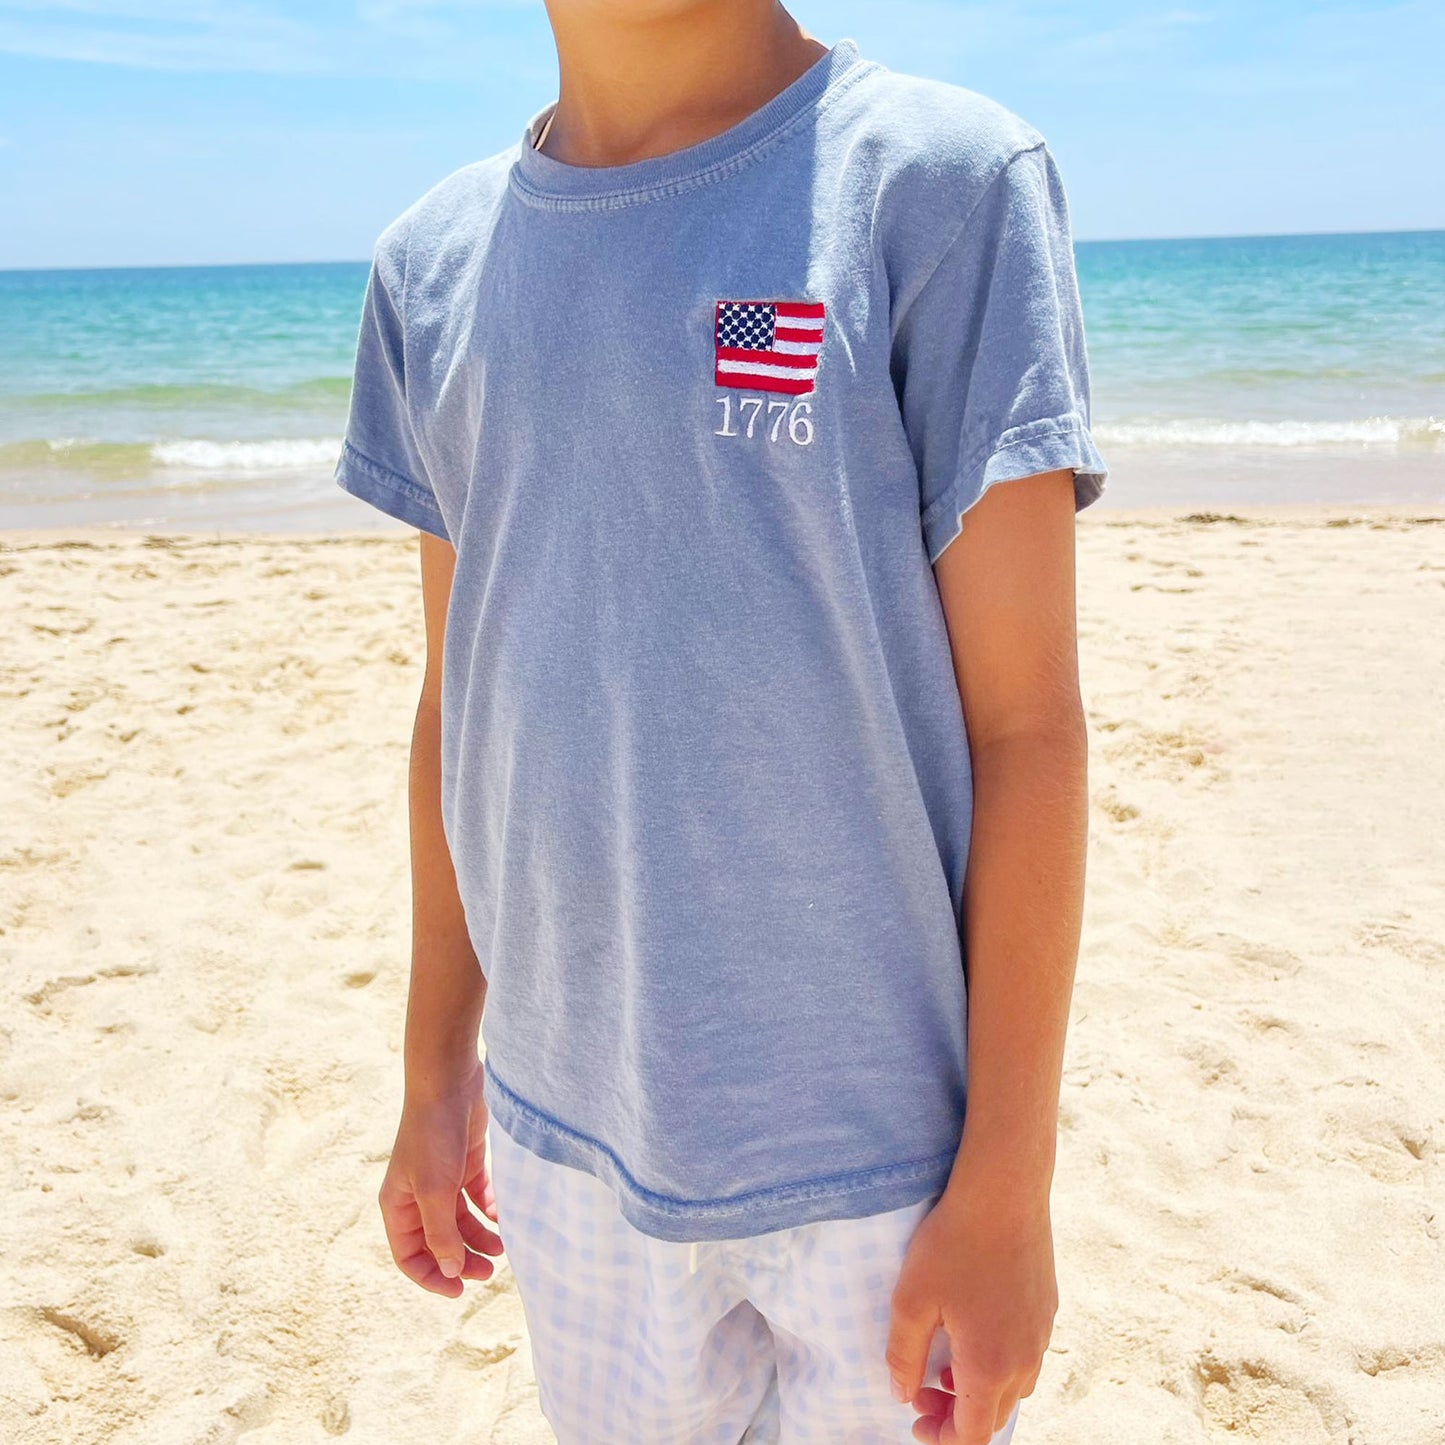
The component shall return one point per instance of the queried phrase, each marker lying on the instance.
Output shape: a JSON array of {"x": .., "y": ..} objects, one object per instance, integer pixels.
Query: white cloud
[
  {"x": 158, "y": 35},
  {"x": 379, "y": 37},
  {"x": 1138, "y": 35},
  {"x": 959, "y": 38}
]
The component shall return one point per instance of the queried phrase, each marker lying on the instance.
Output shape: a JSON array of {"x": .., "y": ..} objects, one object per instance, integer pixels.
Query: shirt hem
[
  {"x": 388, "y": 491},
  {"x": 1052, "y": 444},
  {"x": 840, "y": 1196}
]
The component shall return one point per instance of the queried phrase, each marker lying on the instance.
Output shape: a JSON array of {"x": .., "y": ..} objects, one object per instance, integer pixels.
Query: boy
[{"x": 698, "y": 396}]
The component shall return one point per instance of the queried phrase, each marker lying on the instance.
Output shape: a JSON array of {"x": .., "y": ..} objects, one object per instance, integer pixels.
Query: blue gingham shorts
[{"x": 777, "y": 1339}]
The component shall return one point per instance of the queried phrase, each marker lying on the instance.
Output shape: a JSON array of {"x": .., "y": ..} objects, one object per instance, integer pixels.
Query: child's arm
[
  {"x": 438, "y": 1157},
  {"x": 1007, "y": 588},
  {"x": 981, "y": 1264},
  {"x": 448, "y": 989}
]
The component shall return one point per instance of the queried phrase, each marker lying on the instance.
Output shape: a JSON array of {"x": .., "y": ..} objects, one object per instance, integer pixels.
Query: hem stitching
[
  {"x": 668, "y": 1205},
  {"x": 1071, "y": 425},
  {"x": 404, "y": 485}
]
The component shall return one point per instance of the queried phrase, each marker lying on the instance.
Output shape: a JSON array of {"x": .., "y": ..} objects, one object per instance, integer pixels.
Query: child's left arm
[{"x": 981, "y": 1264}]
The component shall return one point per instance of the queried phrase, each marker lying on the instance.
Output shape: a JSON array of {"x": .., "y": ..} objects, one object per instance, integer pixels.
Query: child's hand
[
  {"x": 981, "y": 1267},
  {"x": 437, "y": 1162}
]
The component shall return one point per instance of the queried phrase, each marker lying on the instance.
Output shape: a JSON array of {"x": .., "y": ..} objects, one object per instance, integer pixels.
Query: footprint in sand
[
  {"x": 1428, "y": 1361},
  {"x": 1258, "y": 1400},
  {"x": 1277, "y": 1304},
  {"x": 1373, "y": 1129},
  {"x": 1176, "y": 752},
  {"x": 1387, "y": 933},
  {"x": 96, "y": 1339},
  {"x": 1115, "y": 808},
  {"x": 336, "y": 1416}
]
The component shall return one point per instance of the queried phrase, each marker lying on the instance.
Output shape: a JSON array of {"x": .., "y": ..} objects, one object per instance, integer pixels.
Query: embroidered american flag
[{"x": 768, "y": 345}]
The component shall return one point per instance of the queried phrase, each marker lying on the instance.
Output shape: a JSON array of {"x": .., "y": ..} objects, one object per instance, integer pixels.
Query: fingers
[
  {"x": 438, "y": 1159},
  {"x": 947, "y": 1419},
  {"x": 1005, "y": 1409},
  {"x": 414, "y": 1251},
  {"x": 474, "y": 1233},
  {"x": 488, "y": 1202},
  {"x": 478, "y": 1186},
  {"x": 926, "y": 1429},
  {"x": 938, "y": 1403},
  {"x": 407, "y": 1240},
  {"x": 945, "y": 1430},
  {"x": 972, "y": 1422},
  {"x": 909, "y": 1335},
  {"x": 976, "y": 1406},
  {"x": 439, "y": 1208}
]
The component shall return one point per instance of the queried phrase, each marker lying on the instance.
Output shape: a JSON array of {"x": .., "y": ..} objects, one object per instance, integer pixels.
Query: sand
[{"x": 203, "y": 915}]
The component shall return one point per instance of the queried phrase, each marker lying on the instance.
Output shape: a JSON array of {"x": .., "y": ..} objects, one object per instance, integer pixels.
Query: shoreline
[{"x": 1259, "y": 514}]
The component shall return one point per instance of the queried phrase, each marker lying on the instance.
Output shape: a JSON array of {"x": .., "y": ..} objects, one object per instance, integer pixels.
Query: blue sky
[{"x": 138, "y": 132}]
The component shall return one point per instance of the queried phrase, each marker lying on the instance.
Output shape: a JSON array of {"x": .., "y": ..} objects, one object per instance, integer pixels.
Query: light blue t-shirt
[{"x": 697, "y": 426}]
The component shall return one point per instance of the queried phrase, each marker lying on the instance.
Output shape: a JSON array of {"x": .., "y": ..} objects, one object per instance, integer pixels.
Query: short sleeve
[
  {"x": 380, "y": 461},
  {"x": 989, "y": 359}
]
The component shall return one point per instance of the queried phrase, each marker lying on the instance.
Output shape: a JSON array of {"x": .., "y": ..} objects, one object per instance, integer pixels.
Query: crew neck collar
[{"x": 546, "y": 181}]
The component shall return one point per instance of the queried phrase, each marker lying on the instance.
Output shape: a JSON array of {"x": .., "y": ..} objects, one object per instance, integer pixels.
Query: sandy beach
[{"x": 203, "y": 928}]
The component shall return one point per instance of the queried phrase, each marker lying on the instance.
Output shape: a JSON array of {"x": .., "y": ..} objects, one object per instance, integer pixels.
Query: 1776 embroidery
[{"x": 768, "y": 345}]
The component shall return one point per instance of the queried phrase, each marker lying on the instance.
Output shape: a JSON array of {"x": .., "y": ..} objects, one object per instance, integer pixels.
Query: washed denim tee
[{"x": 697, "y": 426}]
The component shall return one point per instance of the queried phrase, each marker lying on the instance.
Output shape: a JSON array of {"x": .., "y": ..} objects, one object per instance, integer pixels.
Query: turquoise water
[
  {"x": 1290, "y": 340},
  {"x": 1295, "y": 368},
  {"x": 226, "y": 382}
]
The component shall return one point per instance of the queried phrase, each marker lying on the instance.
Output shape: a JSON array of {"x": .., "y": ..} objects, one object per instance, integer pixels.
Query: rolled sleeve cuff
[
  {"x": 389, "y": 492},
  {"x": 1023, "y": 451}
]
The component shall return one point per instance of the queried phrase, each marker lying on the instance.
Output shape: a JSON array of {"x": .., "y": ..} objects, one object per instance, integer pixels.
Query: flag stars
[{"x": 745, "y": 325}]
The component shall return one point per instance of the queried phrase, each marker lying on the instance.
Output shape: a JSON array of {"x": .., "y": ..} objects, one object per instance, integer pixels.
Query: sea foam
[
  {"x": 1390, "y": 432},
  {"x": 236, "y": 456}
]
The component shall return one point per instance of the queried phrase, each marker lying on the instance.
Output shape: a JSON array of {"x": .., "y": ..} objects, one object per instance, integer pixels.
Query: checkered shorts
[{"x": 776, "y": 1339}]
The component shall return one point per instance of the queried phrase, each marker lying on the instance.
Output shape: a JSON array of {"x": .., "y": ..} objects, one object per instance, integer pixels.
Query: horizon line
[{"x": 366, "y": 260}]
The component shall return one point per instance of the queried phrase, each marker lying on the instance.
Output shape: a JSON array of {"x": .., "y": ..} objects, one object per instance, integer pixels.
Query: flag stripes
[{"x": 768, "y": 345}]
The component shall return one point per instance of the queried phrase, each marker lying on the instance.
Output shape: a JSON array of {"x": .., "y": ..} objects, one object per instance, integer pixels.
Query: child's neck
[{"x": 633, "y": 89}]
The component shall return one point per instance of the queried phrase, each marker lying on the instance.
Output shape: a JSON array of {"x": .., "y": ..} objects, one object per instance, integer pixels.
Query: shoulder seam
[
  {"x": 983, "y": 195},
  {"x": 406, "y": 262},
  {"x": 401, "y": 309}
]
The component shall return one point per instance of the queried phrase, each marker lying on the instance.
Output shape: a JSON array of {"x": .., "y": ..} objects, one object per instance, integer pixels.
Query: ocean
[{"x": 1225, "y": 371}]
